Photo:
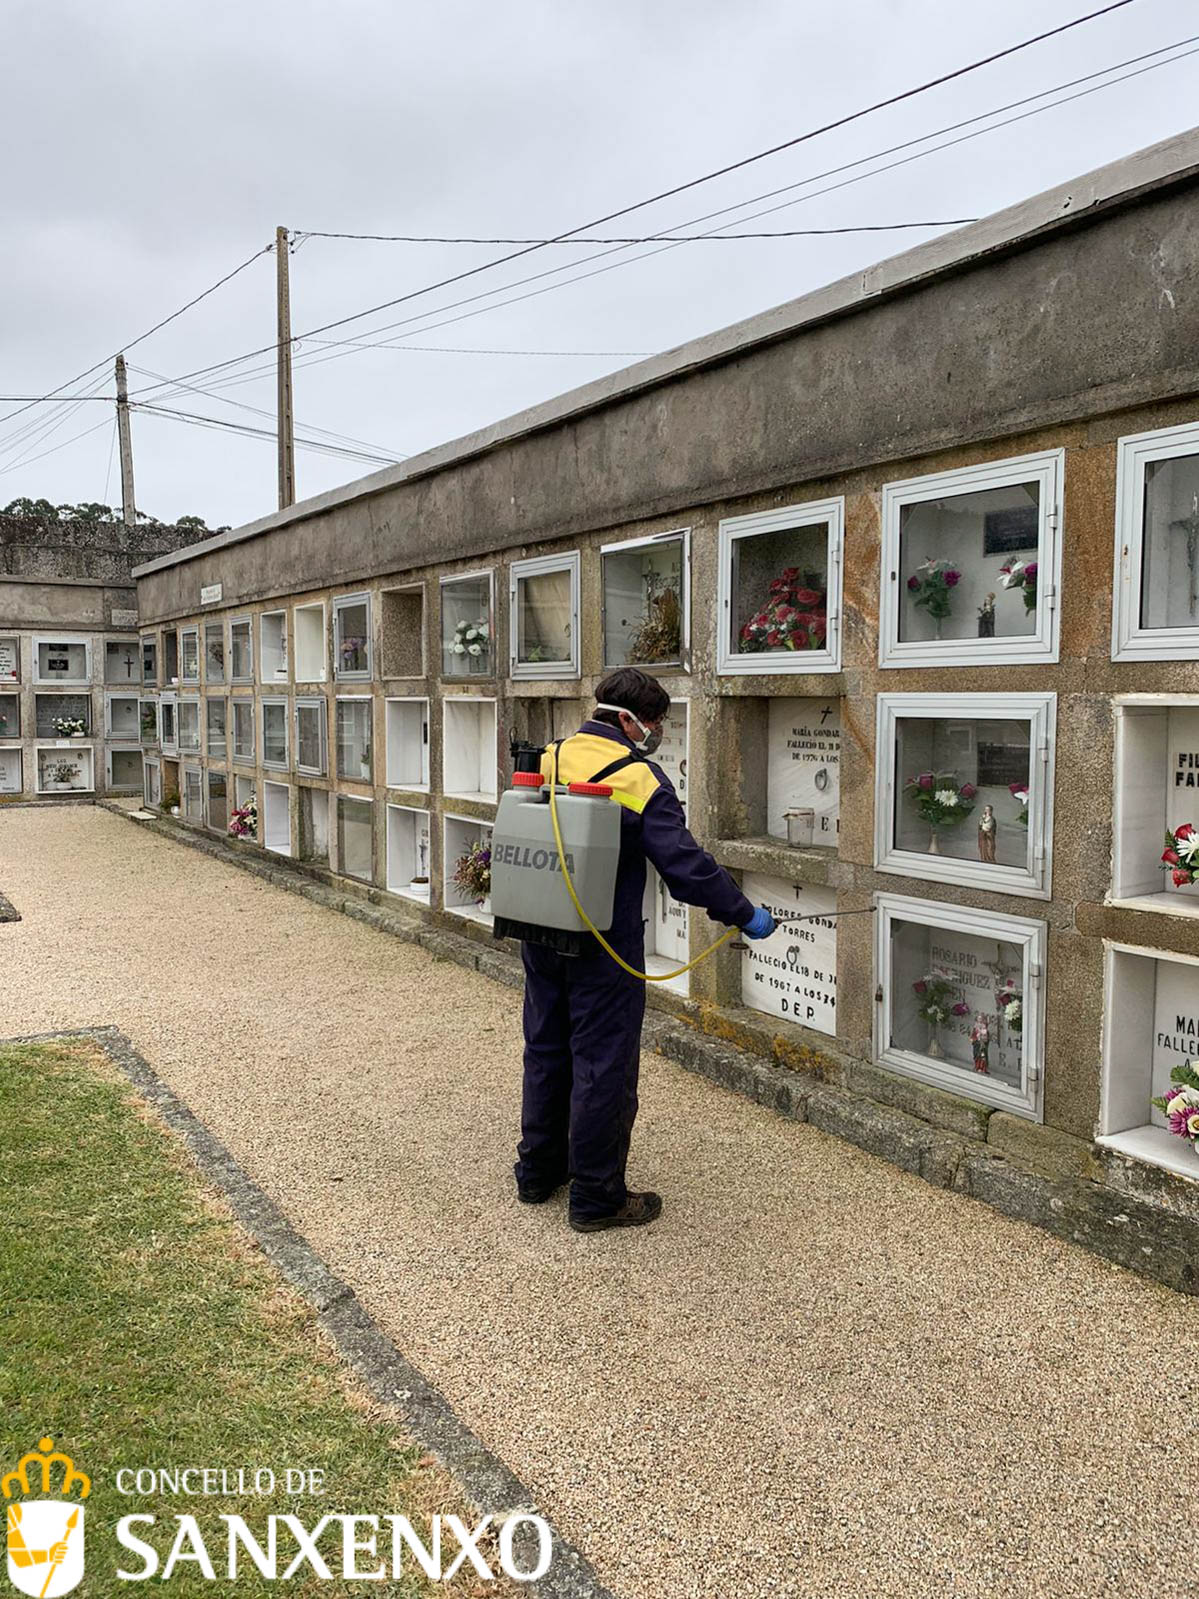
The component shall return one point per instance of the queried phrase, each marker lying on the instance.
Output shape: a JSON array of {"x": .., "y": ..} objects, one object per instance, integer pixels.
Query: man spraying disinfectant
[{"x": 583, "y": 1011}]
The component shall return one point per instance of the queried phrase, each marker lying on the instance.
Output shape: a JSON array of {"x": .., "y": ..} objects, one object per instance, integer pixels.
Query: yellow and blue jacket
[{"x": 653, "y": 828}]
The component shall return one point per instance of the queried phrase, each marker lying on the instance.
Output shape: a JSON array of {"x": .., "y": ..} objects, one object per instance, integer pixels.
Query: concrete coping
[{"x": 1170, "y": 162}]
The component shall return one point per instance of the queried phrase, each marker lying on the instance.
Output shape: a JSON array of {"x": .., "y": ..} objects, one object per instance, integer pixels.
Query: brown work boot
[{"x": 637, "y": 1211}]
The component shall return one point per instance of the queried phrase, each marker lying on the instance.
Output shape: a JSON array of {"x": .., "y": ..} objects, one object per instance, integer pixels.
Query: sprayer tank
[{"x": 526, "y": 877}]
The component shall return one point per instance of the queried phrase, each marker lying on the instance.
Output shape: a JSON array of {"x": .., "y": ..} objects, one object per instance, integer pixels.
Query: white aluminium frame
[
  {"x": 247, "y": 702},
  {"x": 122, "y": 749},
  {"x": 248, "y": 677},
  {"x": 194, "y": 634},
  {"x": 198, "y": 747},
  {"x": 682, "y": 536},
  {"x": 309, "y": 702},
  {"x": 1040, "y": 712},
  {"x": 85, "y": 755},
  {"x": 1030, "y": 936},
  {"x": 1047, "y": 468},
  {"x": 169, "y": 746},
  {"x": 542, "y": 566},
  {"x": 142, "y": 701},
  {"x": 61, "y": 682},
  {"x": 109, "y": 732},
  {"x": 273, "y": 700},
  {"x": 346, "y": 777},
  {"x": 340, "y": 604},
  {"x": 1131, "y": 641},
  {"x": 277, "y": 676},
  {"x": 730, "y": 662}
]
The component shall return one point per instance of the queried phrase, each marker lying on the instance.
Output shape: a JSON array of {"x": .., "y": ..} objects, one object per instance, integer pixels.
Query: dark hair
[{"x": 635, "y": 691}]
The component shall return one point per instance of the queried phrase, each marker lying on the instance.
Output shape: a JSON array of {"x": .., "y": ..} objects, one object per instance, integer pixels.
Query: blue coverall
[{"x": 583, "y": 1014}]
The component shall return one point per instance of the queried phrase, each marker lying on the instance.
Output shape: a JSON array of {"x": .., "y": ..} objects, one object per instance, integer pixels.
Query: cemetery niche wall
[{"x": 1156, "y": 803}]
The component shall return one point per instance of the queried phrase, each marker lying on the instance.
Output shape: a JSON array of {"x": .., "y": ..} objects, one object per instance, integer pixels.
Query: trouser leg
[
  {"x": 543, "y": 1152},
  {"x": 606, "y": 1011}
]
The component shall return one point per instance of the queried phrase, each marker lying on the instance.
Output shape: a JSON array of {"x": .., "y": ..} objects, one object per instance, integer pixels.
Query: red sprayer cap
[
  {"x": 527, "y": 780},
  {"x": 600, "y": 789}
]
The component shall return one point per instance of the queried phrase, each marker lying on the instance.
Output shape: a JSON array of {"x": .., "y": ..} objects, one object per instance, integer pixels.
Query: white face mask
[{"x": 649, "y": 739}]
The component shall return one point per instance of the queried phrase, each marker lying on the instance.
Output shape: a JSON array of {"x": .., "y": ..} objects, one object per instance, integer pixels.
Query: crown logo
[{"x": 42, "y": 1459}]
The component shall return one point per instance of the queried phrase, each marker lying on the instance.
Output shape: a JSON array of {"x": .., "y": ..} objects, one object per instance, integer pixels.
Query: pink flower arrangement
[
  {"x": 1180, "y": 1105},
  {"x": 933, "y": 583},
  {"x": 940, "y": 799},
  {"x": 795, "y": 617},
  {"x": 243, "y": 823},
  {"x": 1181, "y": 855},
  {"x": 1019, "y": 792},
  {"x": 1021, "y": 575}
]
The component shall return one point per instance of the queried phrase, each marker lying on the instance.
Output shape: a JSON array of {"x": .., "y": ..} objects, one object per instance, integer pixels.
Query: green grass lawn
[{"x": 140, "y": 1328}]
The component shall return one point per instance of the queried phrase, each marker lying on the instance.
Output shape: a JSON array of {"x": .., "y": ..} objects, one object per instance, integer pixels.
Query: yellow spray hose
[{"x": 646, "y": 977}]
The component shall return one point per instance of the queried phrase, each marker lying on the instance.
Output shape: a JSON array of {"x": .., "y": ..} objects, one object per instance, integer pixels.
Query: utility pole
[
  {"x": 287, "y": 446},
  {"x": 128, "y": 508}
]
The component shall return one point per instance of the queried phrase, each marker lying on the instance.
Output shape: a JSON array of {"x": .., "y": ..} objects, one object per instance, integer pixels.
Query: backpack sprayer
[{"x": 548, "y": 838}]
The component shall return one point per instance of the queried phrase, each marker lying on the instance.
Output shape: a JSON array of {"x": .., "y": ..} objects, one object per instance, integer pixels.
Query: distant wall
[{"x": 103, "y": 551}]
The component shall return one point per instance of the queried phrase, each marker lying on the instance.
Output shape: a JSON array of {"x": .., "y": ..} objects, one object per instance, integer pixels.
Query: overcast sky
[{"x": 152, "y": 147}]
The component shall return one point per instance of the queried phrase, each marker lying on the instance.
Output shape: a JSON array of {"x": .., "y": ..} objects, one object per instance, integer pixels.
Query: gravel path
[{"x": 816, "y": 1376}]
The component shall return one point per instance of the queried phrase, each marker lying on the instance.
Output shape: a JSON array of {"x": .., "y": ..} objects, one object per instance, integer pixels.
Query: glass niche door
[
  {"x": 970, "y": 564},
  {"x": 467, "y": 626},
  {"x": 965, "y": 789},
  {"x": 1156, "y": 614},
  {"x": 960, "y": 1000},
  {"x": 779, "y": 595},
  {"x": 645, "y": 601}
]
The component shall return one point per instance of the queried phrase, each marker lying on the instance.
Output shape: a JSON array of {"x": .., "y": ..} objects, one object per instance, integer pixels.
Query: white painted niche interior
[
  {"x": 460, "y": 833},
  {"x": 667, "y": 928},
  {"x": 1150, "y": 1025},
  {"x": 407, "y": 727},
  {"x": 123, "y": 717},
  {"x": 10, "y": 771},
  {"x": 408, "y": 852},
  {"x": 791, "y": 761},
  {"x": 469, "y": 747},
  {"x": 1157, "y": 787},
  {"x": 66, "y": 769},
  {"x": 276, "y": 817},
  {"x": 310, "y": 642}
]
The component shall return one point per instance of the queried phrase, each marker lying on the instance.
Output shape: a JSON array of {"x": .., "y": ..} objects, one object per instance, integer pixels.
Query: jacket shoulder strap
[{"x": 615, "y": 766}]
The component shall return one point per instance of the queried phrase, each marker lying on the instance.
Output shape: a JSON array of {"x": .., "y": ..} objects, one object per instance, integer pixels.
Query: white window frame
[
  {"x": 109, "y": 697},
  {"x": 1124, "y": 1123},
  {"x": 1040, "y": 711},
  {"x": 280, "y": 674},
  {"x": 335, "y": 840},
  {"x": 198, "y": 747},
  {"x": 248, "y": 623},
  {"x": 681, "y": 535},
  {"x": 186, "y": 771},
  {"x": 1131, "y": 641},
  {"x": 1031, "y": 936},
  {"x": 6, "y": 753},
  {"x": 1047, "y": 468},
  {"x": 149, "y": 743},
  {"x": 170, "y": 747},
  {"x": 274, "y": 700},
  {"x": 310, "y": 702},
  {"x": 391, "y": 741},
  {"x": 6, "y": 689},
  {"x": 8, "y": 678},
  {"x": 89, "y": 731},
  {"x": 246, "y": 701},
  {"x": 116, "y": 643},
  {"x": 62, "y": 682},
  {"x": 154, "y": 640},
  {"x": 217, "y": 627},
  {"x": 339, "y": 605},
  {"x": 1129, "y": 804},
  {"x": 731, "y": 662},
  {"x": 64, "y": 748},
  {"x": 211, "y": 754},
  {"x": 367, "y": 699},
  {"x": 450, "y": 581},
  {"x": 311, "y": 605},
  {"x": 184, "y": 634},
  {"x": 539, "y": 567},
  {"x": 421, "y": 895},
  {"x": 121, "y": 749},
  {"x": 151, "y": 763},
  {"x": 227, "y": 780}
]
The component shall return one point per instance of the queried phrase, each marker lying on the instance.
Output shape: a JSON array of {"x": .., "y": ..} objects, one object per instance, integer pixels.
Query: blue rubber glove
[{"x": 761, "y": 924}]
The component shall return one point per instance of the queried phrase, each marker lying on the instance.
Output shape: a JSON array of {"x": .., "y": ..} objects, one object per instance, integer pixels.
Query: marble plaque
[
  {"x": 671, "y": 754},
  {"x": 793, "y": 973},
  {"x": 1175, "y": 1024},
  {"x": 803, "y": 765},
  {"x": 8, "y": 660}
]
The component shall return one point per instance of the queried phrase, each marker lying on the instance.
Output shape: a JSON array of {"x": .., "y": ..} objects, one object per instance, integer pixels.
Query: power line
[
  {"x": 264, "y": 433},
  {"x": 131, "y": 343},
  {"x": 28, "y": 461},
  {"x": 681, "y": 188},
  {"x": 349, "y": 345},
  {"x": 649, "y": 238}
]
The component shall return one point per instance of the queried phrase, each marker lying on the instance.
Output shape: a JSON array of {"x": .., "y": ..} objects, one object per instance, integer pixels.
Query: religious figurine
[
  {"x": 986, "y": 617},
  {"x": 980, "y": 1041},
  {"x": 986, "y": 835}
]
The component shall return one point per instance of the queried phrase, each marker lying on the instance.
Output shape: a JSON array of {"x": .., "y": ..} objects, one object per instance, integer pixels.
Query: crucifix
[{"x": 1190, "y": 526}]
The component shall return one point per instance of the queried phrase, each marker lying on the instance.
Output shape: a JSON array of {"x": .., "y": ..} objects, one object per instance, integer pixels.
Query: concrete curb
[
  {"x": 490, "y": 1487},
  {"x": 1153, "y": 1230}
]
